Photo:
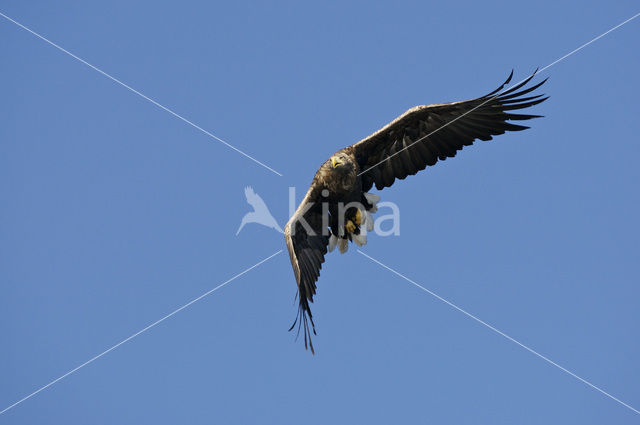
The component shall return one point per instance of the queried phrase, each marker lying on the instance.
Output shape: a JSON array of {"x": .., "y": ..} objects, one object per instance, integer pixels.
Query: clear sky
[{"x": 115, "y": 213}]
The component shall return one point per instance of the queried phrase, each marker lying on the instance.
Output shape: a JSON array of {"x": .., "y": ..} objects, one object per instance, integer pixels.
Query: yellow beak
[{"x": 335, "y": 162}]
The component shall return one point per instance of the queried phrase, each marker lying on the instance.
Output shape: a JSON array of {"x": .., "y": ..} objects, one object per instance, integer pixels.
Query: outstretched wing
[
  {"x": 425, "y": 134},
  {"x": 307, "y": 245}
]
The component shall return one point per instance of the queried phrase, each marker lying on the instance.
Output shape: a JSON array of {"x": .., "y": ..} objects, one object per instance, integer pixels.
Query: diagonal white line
[
  {"x": 590, "y": 41},
  {"x": 175, "y": 114},
  {"x": 506, "y": 89},
  {"x": 139, "y": 332},
  {"x": 499, "y": 332}
]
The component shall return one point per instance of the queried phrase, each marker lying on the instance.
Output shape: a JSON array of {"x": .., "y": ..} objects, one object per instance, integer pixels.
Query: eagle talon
[
  {"x": 358, "y": 217},
  {"x": 350, "y": 226}
]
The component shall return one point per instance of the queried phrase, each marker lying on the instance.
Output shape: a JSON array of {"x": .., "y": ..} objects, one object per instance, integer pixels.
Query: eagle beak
[{"x": 335, "y": 162}]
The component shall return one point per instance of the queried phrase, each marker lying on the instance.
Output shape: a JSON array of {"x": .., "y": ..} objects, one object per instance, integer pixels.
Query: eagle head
[{"x": 341, "y": 162}]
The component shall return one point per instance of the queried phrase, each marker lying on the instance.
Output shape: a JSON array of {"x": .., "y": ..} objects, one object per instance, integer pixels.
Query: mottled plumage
[{"x": 418, "y": 138}]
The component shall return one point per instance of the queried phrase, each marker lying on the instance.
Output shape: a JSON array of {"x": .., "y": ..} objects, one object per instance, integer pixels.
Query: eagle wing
[
  {"x": 307, "y": 247},
  {"x": 428, "y": 133}
]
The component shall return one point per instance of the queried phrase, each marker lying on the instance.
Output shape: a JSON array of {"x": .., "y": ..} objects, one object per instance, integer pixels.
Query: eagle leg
[
  {"x": 350, "y": 226},
  {"x": 358, "y": 217}
]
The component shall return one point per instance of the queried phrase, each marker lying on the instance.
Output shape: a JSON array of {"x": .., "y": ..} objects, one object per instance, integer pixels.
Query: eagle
[{"x": 337, "y": 207}]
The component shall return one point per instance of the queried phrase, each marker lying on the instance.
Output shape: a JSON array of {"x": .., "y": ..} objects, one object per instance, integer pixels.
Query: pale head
[{"x": 340, "y": 161}]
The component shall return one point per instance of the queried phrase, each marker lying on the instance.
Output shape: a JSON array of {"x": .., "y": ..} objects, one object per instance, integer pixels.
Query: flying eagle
[{"x": 337, "y": 207}]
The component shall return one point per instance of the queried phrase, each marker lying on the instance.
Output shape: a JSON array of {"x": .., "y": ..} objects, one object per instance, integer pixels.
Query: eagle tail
[
  {"x": 373, "y": 200},
  {"x": 333, "y": 241}
]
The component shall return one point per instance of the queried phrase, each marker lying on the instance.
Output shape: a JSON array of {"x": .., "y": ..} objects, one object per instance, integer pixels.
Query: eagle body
[
  {"x": 341, "y": 185},
  {"x": 340, "y": 180},
  {"x": 337, "y": 207}
]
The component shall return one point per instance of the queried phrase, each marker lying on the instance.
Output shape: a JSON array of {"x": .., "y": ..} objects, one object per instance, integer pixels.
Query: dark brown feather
[
  {"x": 425, "y": 134},
  {"x": 307, "y": 253}
]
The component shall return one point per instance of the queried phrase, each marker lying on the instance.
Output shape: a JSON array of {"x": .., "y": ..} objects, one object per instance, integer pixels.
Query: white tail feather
[
  {"x": 333, "y": 240},
  {"x": 373, "y": 200},
  {"x": 360, "y": 239},
  {"x": 343, "y": 245},
  {"x": 368, "y": 221},
  {"x": 366, "y": 226}
]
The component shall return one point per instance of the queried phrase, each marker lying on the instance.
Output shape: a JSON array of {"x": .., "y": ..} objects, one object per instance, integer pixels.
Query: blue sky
[{"x": 115, "y": 213}]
